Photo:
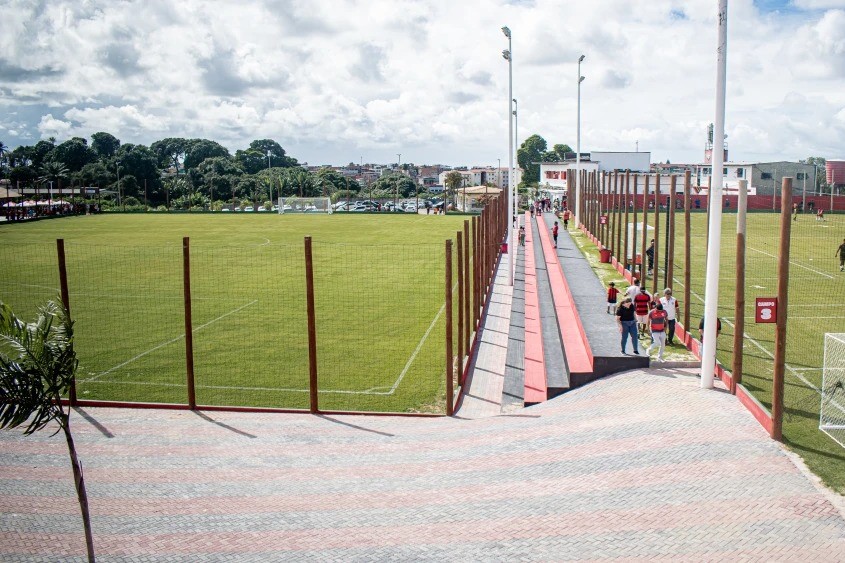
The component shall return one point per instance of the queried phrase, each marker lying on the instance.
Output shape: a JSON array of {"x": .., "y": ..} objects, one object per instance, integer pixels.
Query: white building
[
  {"x": 498, "y": 177},
  {"x": 555, "y": 176}
]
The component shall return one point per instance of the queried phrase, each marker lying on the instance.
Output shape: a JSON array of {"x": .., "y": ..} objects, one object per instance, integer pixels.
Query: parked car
[{"x": 249, "y": 208}]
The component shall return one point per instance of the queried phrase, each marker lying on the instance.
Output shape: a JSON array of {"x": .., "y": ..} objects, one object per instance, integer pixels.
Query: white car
[{"x": 249, "y": 208}]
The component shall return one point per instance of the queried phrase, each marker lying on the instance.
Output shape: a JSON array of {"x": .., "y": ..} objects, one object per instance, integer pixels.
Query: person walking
[
  {"x": 554, "y": 233},
  {"x": 841, "y": 252},
  {"x": 642, "y": 304},
  {"x": 633, "y": 290},
  {"x": 794, "y": 211},
  {"x": 521, "y": 235},
  {"x": 612, "y": 292},
  {"x": 657, "y": 326},
  {"x": 670, "y": 305},
  {"x": 566, "y": 219},
  {"x": 627, "y": 324}
]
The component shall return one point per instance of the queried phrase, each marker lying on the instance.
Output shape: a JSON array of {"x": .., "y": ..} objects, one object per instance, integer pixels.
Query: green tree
[
  {"x": 529, "y": 155},
  {"x": 252, "y": 161},
  {"x": 138, "y": 163},
  {"x": 558, "y": 152},
  {"x": 38, "y": 154},
  {"x": 390, "y": 184},
  {"x": 278, "y": 158},
  {"x": 37, "y": 367},
  {"x": 821, "y": 173},
  {"x": 104, "y": 144},
  {"x": 55, "y": 172},
  {"x": 74, "y": 154},
  {"x": 201, "y": 149},
  {"x": 454, "y": 180},
  {"x": 333, "y": 181},
  {"x": 170, "y": 151}
]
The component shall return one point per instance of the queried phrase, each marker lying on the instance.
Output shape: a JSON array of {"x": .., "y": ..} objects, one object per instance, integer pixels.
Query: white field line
[
  {"x": 119, "y": 296},
  {"x": 171, "y": 341},
  {"x": 795, "y": 317},
  {"x": 793, "y": 262},
  {"x": 745, "y": 335},
  {"x": 232, "y": 387},
  {"x": 370, "y": 391}
]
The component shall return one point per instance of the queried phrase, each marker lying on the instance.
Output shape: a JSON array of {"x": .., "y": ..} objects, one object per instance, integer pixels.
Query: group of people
[
  {"x": 640, "y": 313},
  {"x": 819, "y": 213}
]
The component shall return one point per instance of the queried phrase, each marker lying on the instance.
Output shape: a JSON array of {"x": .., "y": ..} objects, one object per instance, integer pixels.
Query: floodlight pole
[
  {"x": 508, "y": 55},
  {"x": 714, "y": 205},
  {"x": 578, "y": 150}
]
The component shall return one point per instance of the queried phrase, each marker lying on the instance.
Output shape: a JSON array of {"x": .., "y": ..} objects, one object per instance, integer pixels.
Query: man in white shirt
[
  {"x": 670, "y": 305},
  {"x": 633, "y": 290}
]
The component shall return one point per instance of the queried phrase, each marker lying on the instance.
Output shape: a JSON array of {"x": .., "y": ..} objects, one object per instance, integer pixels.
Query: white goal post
[
  {"x": 304, "y": 205},
  {"x": 832, "y": 412}
]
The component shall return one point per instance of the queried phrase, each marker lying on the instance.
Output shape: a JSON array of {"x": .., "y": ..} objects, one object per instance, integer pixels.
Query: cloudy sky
[{"x": 335, "y": 81}]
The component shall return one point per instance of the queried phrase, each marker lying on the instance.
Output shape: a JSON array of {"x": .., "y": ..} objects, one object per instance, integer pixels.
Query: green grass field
[
  {"x": 816, "y": 306},
  {"x": 379, "y": 295}
]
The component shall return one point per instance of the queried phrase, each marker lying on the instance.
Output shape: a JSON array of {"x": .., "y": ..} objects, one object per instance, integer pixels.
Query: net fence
[
  {"x": 380, "y": 316},
  {"x": 832, "y": 416}
]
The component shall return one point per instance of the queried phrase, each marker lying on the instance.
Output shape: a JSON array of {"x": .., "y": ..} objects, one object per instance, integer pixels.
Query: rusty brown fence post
[
  {"x": 783, "y": 304},
  {"x": 476, "y": 257},
  {"x": 60, "y": 250},
  {"x": 626, "y": 218},
  {"x": 687, "y": 254},
  {"x": 643, "y": 244},
  {"x": 461, "y": 320},
  {"x": 313, "y": 386},
  {"x": 189, "y": 330},
  {"x": 450, "y": 377},
  {"x": 467, "y": 284},
  {"x": 655, "y": 279},
  {"x": 670, "y": 263}
]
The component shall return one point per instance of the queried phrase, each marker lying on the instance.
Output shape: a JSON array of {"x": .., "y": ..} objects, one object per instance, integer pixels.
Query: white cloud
[{"x": 333, "y": 80}]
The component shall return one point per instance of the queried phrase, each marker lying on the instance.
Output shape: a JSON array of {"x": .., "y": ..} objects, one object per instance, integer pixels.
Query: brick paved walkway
[{"x": 640, "y": 466}]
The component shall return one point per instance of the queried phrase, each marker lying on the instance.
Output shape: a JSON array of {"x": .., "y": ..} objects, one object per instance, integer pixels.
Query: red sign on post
[
  {"x": 766, "y": 310},
  {"x": 603, "y": 220}
]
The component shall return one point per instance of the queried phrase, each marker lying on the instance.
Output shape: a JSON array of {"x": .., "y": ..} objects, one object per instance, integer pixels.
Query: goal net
[
  {"x": 304, "y": 205},
  {"x": 832, "y": 415}
]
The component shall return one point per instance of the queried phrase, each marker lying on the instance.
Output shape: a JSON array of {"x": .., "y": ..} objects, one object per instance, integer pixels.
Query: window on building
[
  {"x": 801, "y": 176},
  {"x": 740, "y": 172},
  {"x": 724, "y": 171},
  {"x": 766, "y": 175}
]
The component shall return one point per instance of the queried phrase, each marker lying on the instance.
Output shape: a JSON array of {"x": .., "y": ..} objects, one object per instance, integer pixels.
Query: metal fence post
[
  {"x": 60, "y": 249},
  {"x": 189, "y": 330},
  {"x": 313, "y": 387}
]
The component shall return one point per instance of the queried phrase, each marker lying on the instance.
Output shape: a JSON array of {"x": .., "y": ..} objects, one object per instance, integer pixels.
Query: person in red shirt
[
  {"x": 565, "y": 218},
  {"x": 554, "y": 233},
  {"x": 612, "y": 292},
  {"x": 642, "y": 303},
  {"x": 657, "y": 325}
]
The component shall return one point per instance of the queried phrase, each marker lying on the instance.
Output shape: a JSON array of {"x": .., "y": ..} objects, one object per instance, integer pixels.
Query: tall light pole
[
  {"x": 516, "y": 148},
  {"x": 399, "y": 168},
  {"x": 508, "y": 55},
  {"x": 499, "y": 174},
  {"x": 578, "y": 149},
  {"x": 269, "y": 178},
  {"x": 714, "y": 206}
]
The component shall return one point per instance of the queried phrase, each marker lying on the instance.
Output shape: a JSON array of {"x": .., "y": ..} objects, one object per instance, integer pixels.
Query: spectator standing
[
  {"x": 521, "y": 235},
  {"x": 649, "y": 252},
  {"x": 627, "y": 324},
  {"x": 566, "y": 219},
  {"x": 670, "y": 306},
  {"x": 794, "y": 211},
  {"x": 612, "y": 293},
  {"x": 657, "y": 325},
  {"x": 841, "y": 252},
  {"x": 554, "y": 233},
  {"x": 701, "y": 328}
]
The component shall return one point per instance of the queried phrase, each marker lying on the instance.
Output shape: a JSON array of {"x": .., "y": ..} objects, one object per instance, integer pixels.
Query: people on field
[
  {"x": 820, "y": 214},
  {"x": 627, "y": 324},
  {"x": 841, "y": 252},
  {"x": 649, "y": 252}
]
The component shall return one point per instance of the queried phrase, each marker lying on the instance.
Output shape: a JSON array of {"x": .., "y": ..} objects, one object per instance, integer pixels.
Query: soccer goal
[
  {"x": 304, "y": 205},
  {"x": 832, "y": 412}
]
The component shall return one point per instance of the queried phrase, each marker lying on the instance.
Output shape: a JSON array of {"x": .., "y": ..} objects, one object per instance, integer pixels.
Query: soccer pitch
[
  {"x": 816, "y": 306},
  {"x": 378, "y": 290}
]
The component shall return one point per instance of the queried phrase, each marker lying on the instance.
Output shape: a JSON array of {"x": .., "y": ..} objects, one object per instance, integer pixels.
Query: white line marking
[
  {"x": 794, "y": 263},
  {"x": 108, "y": 295},
  {"x": 265, "y": 243},
  {"x": 171, "y": 341}
]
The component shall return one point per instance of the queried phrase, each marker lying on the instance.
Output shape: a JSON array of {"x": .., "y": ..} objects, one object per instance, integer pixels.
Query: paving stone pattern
[{"x": 639, "y": 466}]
